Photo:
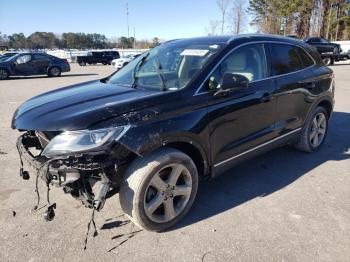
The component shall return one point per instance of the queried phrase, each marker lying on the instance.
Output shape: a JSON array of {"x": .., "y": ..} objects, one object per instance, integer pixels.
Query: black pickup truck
[
  {"x": 94, "y": 57},
  {"x": 330, "y": 52},
  {"x": 323, "y": 45}
]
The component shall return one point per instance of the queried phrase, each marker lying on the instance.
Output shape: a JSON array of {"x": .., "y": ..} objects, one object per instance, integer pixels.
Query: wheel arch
[
  {"x": 195, "y": 153},
  {"x": 51, "y": 66},
  {"x": 326, "y": 104}
]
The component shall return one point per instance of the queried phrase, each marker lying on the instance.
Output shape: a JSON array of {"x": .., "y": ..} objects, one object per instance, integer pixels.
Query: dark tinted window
[
  {"x": 285, "y": 59},
  {"x": 97, "y": 54},
  {"x": 305, "y": 58},
  {"x": 40, "y": 57}
]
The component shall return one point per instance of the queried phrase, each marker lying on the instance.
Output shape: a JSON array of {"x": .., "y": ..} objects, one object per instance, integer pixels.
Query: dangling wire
[{"x": 92, "y": 221}]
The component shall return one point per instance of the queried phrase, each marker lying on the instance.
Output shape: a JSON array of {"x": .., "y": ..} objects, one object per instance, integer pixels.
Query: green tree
[
  {"x": 17, "y": 41},
  {"x": 155, "y": 42}
]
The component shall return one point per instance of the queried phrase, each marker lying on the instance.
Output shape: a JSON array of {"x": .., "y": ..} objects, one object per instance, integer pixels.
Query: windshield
[
  {"x": 8, "y": 58},
  {"x": 170, "y": 66}
]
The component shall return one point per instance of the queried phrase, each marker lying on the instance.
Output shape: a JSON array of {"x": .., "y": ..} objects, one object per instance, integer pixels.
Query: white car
[{"x": 123, "y": 61}]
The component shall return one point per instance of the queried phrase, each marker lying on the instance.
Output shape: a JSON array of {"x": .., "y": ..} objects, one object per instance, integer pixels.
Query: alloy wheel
[
  {"x": 327, "y": 61},
  {"x": 168, "y": 193},
  {"x": 55, "y": 71},
  {"x": 3, "y": 74},
  {"x": 318, "y": 130}
]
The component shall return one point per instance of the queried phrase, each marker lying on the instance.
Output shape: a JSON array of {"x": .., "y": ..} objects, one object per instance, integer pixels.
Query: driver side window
[
  {"x": 23, "y": 59},
  {"x": 248, "y": 61}
]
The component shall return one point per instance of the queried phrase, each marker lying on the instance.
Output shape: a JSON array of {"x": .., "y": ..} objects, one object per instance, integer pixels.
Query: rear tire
[
  {"x": 158, "y": 190},
  {"x": 54, "y": 71},
  {"x": 314, "y": 132},
  {"x": 82, "y": 63},
  {"x": 4, "y": 74}
]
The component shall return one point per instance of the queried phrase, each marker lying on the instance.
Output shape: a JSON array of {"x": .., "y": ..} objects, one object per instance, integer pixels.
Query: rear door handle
[{"x": 266, "y": 97}]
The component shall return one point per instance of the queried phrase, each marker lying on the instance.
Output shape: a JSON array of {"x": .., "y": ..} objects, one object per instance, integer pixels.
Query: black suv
[
  {"x": 26, "y": 64},
  {"x": 185, "y": 110},
  {"x": 103, "y": 57}
]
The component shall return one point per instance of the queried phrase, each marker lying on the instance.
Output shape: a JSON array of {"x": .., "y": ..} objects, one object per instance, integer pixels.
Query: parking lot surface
[{"x": 282, "y": 206}]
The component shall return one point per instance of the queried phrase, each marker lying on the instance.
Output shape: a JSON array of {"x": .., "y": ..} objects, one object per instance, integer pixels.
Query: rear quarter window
[
  {"x": 285, "y": 59},
  {"x": 305, "y": 58}
]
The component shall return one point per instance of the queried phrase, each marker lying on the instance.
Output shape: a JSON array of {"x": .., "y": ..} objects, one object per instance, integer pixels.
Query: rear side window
[
  {"x": 285, "y": 59},
  {"x": 305, "y": 58},
  {"x": 40, "y": 57}
]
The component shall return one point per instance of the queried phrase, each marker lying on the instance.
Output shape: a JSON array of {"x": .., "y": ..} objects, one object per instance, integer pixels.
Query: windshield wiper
[
  {"x": 137, "y": 66},
  {"x": 161, "y": 75}
]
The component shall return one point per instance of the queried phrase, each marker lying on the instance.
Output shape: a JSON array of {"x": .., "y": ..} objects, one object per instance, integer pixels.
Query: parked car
[
  {"x": 185, "y": 110},
  {"x": 103, "y": 57},
  {"x": 7, "y": 55},
  {"x": 324, "y": 45},
  {"x": 26, "y": 64},
  {"x": 123, "y": 61}
]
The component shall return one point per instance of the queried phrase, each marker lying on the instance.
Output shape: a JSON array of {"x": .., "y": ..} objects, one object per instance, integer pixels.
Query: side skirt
[{"x": 223, "y": 166}]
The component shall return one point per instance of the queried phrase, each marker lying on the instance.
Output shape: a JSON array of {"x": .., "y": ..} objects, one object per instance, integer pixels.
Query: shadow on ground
[
  {"x": 268, "y": 173},
  {"x": 45, "y": 76}
]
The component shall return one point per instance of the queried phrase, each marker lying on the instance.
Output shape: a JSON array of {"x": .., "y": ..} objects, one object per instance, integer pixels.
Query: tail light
[{"x": 65, "y": 61}]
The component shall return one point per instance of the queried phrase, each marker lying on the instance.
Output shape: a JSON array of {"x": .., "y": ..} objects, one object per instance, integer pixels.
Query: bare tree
[
  {"x": 213, "y": 28},
  {"x": 223, "y": 6},
  {"x": 238, "y": 17}
]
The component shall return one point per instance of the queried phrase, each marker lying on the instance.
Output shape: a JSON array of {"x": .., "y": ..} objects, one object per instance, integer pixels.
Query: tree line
[
  {"x": 329, "y": 19},
  {"x": 49, "y": 40},
  {"x": 325, "y": 18}
]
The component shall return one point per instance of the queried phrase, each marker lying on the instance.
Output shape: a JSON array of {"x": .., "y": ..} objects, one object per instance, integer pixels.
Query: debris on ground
[
  {"x": 14, "y": 213},
  {"x": 92, "y": 221},
  {"x": 205, "y": 255}
]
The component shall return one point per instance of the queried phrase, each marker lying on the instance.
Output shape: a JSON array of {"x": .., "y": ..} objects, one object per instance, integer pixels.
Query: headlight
[{"x": 81, "y": 141}]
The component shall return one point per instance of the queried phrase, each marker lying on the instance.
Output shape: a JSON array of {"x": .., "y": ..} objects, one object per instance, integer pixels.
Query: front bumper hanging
[{"x": 88, "y": 177}]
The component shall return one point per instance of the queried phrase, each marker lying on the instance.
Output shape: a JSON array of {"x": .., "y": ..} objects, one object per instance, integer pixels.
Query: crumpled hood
[{"x": 79, "y": 106}]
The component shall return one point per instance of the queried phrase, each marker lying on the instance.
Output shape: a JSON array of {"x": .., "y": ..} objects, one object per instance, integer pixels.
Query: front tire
[
  {"x": 314, "y": 131},
  {"x": 158, "y": 190}
]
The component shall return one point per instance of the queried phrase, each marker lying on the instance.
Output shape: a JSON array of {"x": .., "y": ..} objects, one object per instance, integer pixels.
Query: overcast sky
[{"x": 166, "y": 19}]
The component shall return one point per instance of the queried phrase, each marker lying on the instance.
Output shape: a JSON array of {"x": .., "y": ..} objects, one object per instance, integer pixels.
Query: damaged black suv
[{"x": 185, "y": 110}]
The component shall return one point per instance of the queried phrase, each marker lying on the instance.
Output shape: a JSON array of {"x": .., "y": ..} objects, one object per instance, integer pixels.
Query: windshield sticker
[
  {"x": 194, "y": 52},
  {"x": 214, "y": 46}
]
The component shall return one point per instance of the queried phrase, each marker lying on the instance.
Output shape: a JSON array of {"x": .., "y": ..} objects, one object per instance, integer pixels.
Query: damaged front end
[{"x": 90, "y": 173}]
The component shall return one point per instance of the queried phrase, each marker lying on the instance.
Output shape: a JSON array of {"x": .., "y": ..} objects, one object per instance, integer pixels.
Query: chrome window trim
[
  {"x": 257, "y": 147},
  {"x": 255, "y": 42}
]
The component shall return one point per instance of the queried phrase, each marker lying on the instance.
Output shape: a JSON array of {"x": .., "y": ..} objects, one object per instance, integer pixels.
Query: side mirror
[
  {"x": 234, "y": 81},
  {"x": 231, "y": 82}
]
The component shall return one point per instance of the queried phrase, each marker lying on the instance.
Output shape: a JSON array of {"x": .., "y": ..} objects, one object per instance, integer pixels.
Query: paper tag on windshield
[{"x": 194, "y": 52}]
